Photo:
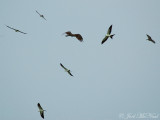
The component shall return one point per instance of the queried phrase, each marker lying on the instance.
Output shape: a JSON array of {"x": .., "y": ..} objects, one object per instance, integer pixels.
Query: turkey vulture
[
  {"x": 108, "y": 35},
  {"x": 68, "y": 71},
  {"x": 16, "y": 30}
]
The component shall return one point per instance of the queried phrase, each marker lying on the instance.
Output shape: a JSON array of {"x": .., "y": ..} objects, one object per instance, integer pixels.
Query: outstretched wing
[
  {"x": 38, "y": 12},
  {"x": 22, "y": 32},
  {"x": 70, "y": 73},
  {"x": 149, "y": 37},
  {"x": 11, "y": 28},
  {"x": 105, "y": 38},
  {"x": 153, "y": 41},
  {"x": 39, "y": 106},
  {"x": 79, "y": 37},
  {"x": 44, "y": 17},
  {"x": 68, "y": 33},
  {"x": 63, "y": 67},
  {"x": 109, "y": 30},
  {"x": 42, "y": 114}
]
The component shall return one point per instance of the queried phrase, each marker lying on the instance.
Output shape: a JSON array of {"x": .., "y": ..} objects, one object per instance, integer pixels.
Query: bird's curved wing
[
  {"x": 39, "y": 106},
  {"x": 68, "y": 33},
  {"x": 153, "y": 41},
  {"x": 63, "y": 67},
  {"x": 70, "y": 73},
  {"x": 42, "y": 114},
  {"x": 149, "y": 37},
  {"x": 79, "y": 37},
  {"x": 109, "y": 30},
  {"x": 105, "y": 38}
]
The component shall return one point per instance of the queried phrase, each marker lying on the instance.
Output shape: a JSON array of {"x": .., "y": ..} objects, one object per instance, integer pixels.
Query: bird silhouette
[
  {"x": 16, "y": 30},
  {"x": 42, "y": 16},
  {"x": 78, "y": 36},
  {"x": 150, "y": 39},
  {"x": 67, "y": 70},
  {"x": 41, "y": 110},
  {"x": 108, "y": 35}
]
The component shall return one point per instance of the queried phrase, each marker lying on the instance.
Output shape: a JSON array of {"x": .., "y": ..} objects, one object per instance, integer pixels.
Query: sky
[{"x": 119, "y": 77}]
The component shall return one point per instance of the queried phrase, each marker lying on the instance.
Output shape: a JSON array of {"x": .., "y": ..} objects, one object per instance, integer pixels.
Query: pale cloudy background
[{"x": 120, "y": 76}]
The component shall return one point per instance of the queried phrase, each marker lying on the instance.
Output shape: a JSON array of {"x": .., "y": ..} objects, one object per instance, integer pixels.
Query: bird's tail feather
[{"x": 112, "y": 36}]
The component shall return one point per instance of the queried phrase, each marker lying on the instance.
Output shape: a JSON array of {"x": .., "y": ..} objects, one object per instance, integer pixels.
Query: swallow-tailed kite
[
  {"x": 68, "y": 71},
  {"x": 41, "y": 110},
  {"x": 16, "y": 30},
  {"x": 108, "y": 35},
  {"x": 42, "y": 16}
]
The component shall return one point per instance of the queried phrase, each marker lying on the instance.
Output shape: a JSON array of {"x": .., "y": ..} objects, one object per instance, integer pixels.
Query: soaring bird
[
  {"x": 16, "y": 30},
  {"x": 67, "y": 70},
  {"x": 150, "y": 39},
  {"x": 41, "y": 110},
  {"x": 78, "y": 36},
  {"x": 42, "y": 16},
  {"x": 108, "y": 35}
]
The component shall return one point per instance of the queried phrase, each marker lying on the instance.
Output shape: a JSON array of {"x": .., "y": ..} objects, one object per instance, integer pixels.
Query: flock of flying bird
[{"x": 79, "y": 37}]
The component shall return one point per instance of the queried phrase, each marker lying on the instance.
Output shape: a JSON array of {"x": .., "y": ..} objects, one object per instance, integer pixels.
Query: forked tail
[{"x": 112, "y": 36}]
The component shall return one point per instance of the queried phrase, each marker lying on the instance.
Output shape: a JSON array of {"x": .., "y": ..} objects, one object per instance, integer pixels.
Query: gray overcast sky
[{"x": 120, "y": 76}]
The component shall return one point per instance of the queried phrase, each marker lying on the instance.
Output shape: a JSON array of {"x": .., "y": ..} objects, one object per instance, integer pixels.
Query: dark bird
[
  {"x": 40, "y": 15},
  {"x": 16, "y": 30},
  {"x": 150, "y": 39},
  {"x": 108, "y": 35},
  {"x": 78, "y": 36},
  {"x": 41, "y": 110},
  {"x": 68, "y": 71}
]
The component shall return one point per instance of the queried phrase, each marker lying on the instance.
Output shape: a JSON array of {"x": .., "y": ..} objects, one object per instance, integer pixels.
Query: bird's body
[
  {"x": 150, "y": 39},
  {"x": 78, "y": 36},
  {"x": 108, "y": 35},
  {"x": 15, "y": 29},
  {"x": 41, "y": 110},
  {"x": 42, "y": 16},
  {"x": 67, "y": 70}
]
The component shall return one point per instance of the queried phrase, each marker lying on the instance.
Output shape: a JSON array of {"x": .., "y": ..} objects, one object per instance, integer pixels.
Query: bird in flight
[
  {"x": 42, "y": 16},
  {"x": 68, "y": 71},
  {"x": 108, "y": 35},
  {"x": 41, "y": 110},
  {"x": 150, "y": 39},
  {"x": 78, "y": 36},
  {"x": 16, "y": 30}
]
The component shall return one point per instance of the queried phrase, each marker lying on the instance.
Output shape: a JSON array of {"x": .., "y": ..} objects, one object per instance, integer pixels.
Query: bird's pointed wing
[
  {"x": 39, "y": 106},
  {"x": 70, "y": 73},
  {"x": 44, "y": 17},
  {"x": 63, "y": 67},
  {"x": 38, "y": 12},
  {"x": 22, "y": 32},
  {"x": 153, "y": 41},
  {"x": 149, "y": 37},
  {"x": 42, "y": 114},
  {"x": 79, "y": 37},
  {"x": 105, "y": 38},
  {"x": 11, "y": 28},
  {"x": 109, "y": 30}
]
